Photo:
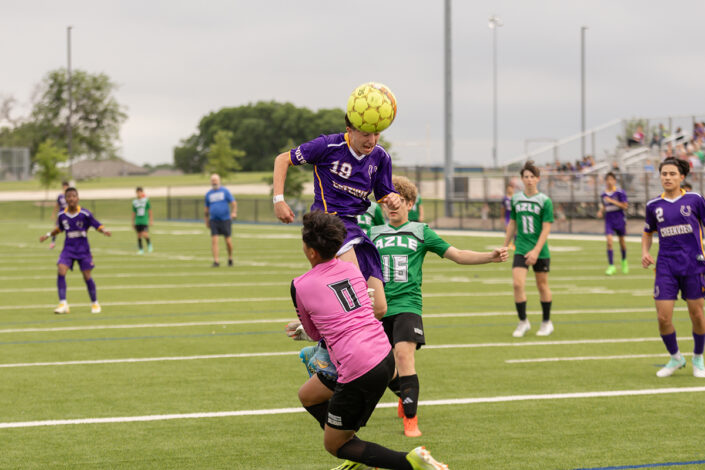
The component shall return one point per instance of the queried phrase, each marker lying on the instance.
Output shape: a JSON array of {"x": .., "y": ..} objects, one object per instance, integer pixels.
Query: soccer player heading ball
[
  {"x": 75, "y": 221},
  {"x": 678, "y": 217},
  {"x": 347, "y": 168}
]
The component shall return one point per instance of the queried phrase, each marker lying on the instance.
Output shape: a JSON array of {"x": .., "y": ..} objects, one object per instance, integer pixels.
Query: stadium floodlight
[{"x": 494, "y": 23}]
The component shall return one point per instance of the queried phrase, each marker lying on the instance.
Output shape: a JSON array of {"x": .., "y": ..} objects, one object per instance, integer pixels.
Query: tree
[
  {"x": 223, "y": 159},
  {"x": 96, "y": 116},
  {"x": 48, "y": 156}
]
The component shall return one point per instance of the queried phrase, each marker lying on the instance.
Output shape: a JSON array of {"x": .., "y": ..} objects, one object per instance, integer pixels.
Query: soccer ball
[{"x": 371, "y": 107}]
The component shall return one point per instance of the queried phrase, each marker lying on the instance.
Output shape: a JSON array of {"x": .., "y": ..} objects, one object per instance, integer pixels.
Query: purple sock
[
  {"x": 624, "y": 254},
  {"x": 699, "y": 343},
  {"x": 90, "y": 283},
  {"x": 61, "y": 286},
  {"x": 610, "y": 256},
  {"x": 671, "y": 343}
]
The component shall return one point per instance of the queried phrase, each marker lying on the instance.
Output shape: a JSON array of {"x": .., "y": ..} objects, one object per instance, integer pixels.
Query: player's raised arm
[
  {"x": 497, "y": 255},
  {"x": 281, "y": 208},
  {"x": 510, "y": 232}
]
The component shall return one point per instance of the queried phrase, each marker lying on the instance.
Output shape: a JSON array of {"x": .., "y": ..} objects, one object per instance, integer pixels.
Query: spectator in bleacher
[
  {"x": 658, "y": 136},
  {"x": 637, "y": 138},
  {"x": 680, "y": 136},
  {"x": 698, "y": 132},
  {"x": 698, "y": 151}
]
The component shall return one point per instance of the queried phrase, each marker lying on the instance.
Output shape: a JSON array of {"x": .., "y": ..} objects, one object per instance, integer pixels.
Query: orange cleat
[{"x": 411, "y": 427}]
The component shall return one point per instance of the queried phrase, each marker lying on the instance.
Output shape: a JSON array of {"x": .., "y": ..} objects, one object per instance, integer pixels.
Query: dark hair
[
  {"x": 529, "y": 165},
  {"x": 687, "y": 186},
  {"x": 64, "y": 183},
  {"x": 139, "y": 188},
  {"x": 71, "y": 188},
  {"x": 347, "y": 122},
  {"x": 610, "y": 174},
  {"x": 323, "y": 232},
  {"x": 682, "y": 165}
]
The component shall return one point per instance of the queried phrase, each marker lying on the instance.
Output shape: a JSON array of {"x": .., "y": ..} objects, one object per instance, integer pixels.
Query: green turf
[{"x": 172, "y": 304}]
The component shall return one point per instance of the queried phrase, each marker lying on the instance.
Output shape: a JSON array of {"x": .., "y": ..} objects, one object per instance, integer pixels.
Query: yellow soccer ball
[{"x": 372, "y": 107}]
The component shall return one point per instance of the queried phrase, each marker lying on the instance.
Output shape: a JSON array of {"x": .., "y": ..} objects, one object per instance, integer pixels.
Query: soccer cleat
[
  {"x": 400, "y": 409},
  {"x": 545, "y": 329},
  {"x": 230, "y": 262},
  {"x": 411, "y": 427},
  {"x": 150, "y": 248},
  {"x": 140, "y": 251},
  {"x": 306, "y": 354},
  {"x": 95, "y": 308},
  {"x": 52, "y": 245},
  {"x": 611, "y": 270},
  {"x": 521, "y": 328},
  {"x": 420, "y": 459},
  {"x": 625, "y": 267},
  {"x": 215, "y": 264},
  {"x": 672, "y": 366},
  {"x": 698, "y": 366},
  {"x": 350, "y": 465},
  {"x": 62, "y": 308}
]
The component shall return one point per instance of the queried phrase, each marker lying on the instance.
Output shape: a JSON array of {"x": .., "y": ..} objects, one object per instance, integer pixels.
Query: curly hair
[
  {"x": 405, "y": 188},
  {"x": 323, "y": 232},
  {"x": 682, "y": 165}
]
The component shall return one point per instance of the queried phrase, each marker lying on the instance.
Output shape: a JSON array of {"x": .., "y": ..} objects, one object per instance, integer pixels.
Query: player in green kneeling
[
  {"x": 403, "y": 245},
  {"x": 530, "y": 220}
]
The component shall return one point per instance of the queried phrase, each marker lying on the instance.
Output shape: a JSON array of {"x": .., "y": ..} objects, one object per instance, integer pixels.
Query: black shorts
[
  {"x": 221, "y": 227},
  {"x": 326, "y": 380},
  {"x": 352, "y": 403},
  {"x": 141, "y": 228},
  {"x": 404, "y": 327},
  {"x": 543, "y": 265}
]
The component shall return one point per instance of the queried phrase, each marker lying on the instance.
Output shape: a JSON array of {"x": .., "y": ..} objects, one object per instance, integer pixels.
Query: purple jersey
[
  {"x": 507, "y": 204},
  {"x": 615, "y": 218},
  {"x": 61, "y": 201},
  {"x": 344, "y": 179},
  {"x": 679, "y": 225},
  {"x": 76, "y": 226}
]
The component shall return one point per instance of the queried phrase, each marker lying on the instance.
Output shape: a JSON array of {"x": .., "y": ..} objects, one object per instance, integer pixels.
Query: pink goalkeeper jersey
[{"x": 332, "y": 303}]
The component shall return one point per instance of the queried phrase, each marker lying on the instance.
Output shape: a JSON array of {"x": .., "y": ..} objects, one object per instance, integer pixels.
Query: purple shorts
[
  {"x": 366, "y": 252},
  {"x": 667, "y": 285},
  {"x": 616, "y": 226},
  {"x": 85, "y": 262}
]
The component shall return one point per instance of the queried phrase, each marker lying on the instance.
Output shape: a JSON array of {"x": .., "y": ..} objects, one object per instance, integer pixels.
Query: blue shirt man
[{"x": 220, "y": 209}]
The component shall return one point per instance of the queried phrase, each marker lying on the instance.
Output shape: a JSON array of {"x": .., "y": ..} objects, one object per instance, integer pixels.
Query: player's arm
[
  {"x": 56, "y": 210},
  {"x": 509, "y": 234},
  {"x": 151, "y": 219},
  {"x": 420, "y": 212},
  {"x": 207, "y": 216},
  {"x": 474, "y": 257},
  {"x": 647, "y": 239},
  {"x": 133, "y": 218},
  {"x": 55, "y": 231},
  {"x": 601, "y": 210},
  {"x": 621, "y": 204},
  {"x": 304, "y": 318},
  {"x": 533, "y": 255},
  {"x": 233, "y": 209},
  {"x": 105, "y": 232},
  {"x": 281, "y": 208}
]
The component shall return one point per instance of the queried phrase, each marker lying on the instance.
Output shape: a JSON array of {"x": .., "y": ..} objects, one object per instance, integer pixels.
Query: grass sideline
[{"x": 190, "y": 309}]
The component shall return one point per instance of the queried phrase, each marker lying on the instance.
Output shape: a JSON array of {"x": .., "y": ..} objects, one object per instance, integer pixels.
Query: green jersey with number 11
[
  {"x": 403, "y": 250},
  {"x": 530, "y": 212}
]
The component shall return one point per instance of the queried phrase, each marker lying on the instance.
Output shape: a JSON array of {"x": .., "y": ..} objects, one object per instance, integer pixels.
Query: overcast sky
[{"x": 176, "y": 61}]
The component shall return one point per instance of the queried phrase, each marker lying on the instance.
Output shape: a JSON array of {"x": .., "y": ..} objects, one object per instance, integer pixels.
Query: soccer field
[{"x": 188, "y": 366}]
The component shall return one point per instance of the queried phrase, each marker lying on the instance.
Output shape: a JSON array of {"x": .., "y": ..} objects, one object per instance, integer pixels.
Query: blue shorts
[
  {"x": 617, "y": 227},
  {"x": 667, "y": 285},
  {"x": 85, "y": 262}
]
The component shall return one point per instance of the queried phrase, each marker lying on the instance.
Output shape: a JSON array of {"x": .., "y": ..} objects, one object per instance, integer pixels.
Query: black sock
[
  {"x": 148, "y": 242},
  {"x": 319, "y": 411},
  {"x": 373, "y": 455},
  {"x": 409, "y": 394},
  {"x": 521, "y": 310},
  {"x": 546, "y": 307},
  {"x": 395, "y": 386},
  {"x": 139, "y": 243}
]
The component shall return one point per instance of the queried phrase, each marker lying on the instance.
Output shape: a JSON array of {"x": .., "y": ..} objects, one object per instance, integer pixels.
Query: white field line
[
  {"x": 591, "y": 291},
  {"x": 284, "y": 320},
  {"x": 279, "y": 411},
  {"x": 555, "y": 286},
  {"x": 273, "y": 354},
  {"x": 590, "y": 358}
]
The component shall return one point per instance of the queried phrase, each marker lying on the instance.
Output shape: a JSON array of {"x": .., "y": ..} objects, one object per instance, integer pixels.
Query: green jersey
[
  {"x": 403, "y": 250},
  {"x": 372, "y": 216},
  {"x": 141, "y": 209},
  {"x": 530, "y": 213},
  {"x": 414, "y": 212}
]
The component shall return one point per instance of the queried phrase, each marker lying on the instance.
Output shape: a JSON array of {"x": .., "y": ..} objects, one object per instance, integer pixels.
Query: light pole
[
  {"x": 448, "y": 104},
  {"x": 582, "y": 90},
  {"x": 494, "y": 23},
  {"x": 69, "y": 131}
]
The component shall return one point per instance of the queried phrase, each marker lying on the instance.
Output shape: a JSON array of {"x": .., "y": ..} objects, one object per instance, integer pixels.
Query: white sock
[{"x": 677, "y": 356}]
